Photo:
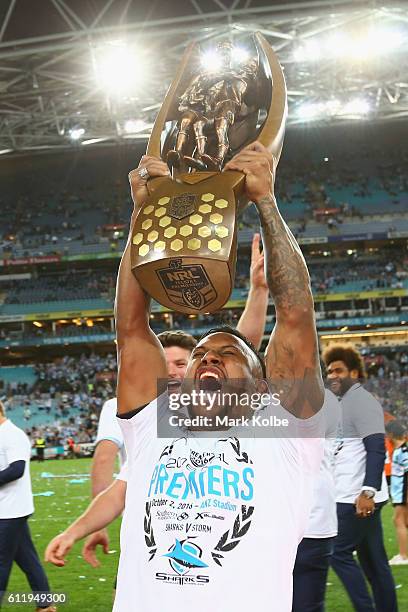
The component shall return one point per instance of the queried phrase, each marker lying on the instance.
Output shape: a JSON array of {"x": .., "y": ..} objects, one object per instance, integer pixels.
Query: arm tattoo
[
  {"x": 292, "y": 359},
  {"x": 286, "y": 271}
]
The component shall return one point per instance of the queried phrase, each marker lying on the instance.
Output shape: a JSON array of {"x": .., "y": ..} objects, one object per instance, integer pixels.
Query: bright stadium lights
[
  {"x": 358, "y": 107},
  {"x": 361, "y": 46},
  {"x": 379, "y": 40},
  {"x": 211, "y": 60},
  {"x": 309, "y": 51},
  {"x": 309, "y": 110},
  {"x": 118, "y": 69},
  {"x": 76, "y": 133}
]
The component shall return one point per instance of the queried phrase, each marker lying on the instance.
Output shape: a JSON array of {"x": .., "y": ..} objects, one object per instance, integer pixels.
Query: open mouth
[
  {"x": 173, "y": 384},
  {"x": 209, "y": 380}
]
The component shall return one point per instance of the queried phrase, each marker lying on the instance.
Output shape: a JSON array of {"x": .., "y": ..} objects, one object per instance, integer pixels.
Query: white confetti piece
[{"x": 102, "y": 579}]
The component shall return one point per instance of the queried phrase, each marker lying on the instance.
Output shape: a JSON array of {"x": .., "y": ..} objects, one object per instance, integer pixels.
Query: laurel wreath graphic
[
  {"x": 148, "y": 529},
  {"x": 242, "y": 457},
  {"x": 231, "y": 538}
]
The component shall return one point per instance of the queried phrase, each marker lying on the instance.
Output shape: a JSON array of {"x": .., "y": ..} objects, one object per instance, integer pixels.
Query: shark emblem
[{"x": 185, "y": 555}]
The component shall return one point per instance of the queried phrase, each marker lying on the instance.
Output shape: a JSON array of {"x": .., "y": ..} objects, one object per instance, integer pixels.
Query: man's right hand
[
  {"x": 138, "y": 185},
  {"x": 99, "y": 538},
  {"x": 58, "y": 548}
]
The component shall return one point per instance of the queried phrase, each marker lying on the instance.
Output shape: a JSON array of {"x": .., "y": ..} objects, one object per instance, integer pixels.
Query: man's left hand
[
  {"x": 258, "y": 165},
  {"x": 365, "y": 507}
]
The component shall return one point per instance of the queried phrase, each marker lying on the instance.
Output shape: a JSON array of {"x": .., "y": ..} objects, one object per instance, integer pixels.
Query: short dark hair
[
  {"x": 226, "y": 329},
  {"x": 177, "y": 338},
  {"x": 347, "y": 354},
  {"x": 396, "y": 429}
]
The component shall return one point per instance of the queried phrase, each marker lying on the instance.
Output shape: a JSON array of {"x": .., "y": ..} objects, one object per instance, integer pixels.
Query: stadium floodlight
[
  {"x": 76, "y": 133},
  {"x": 376, "y": 41},
  {"x": 357, "y": 107},
  {"x": 118, "y": 69},
  {"x": 211, "y": 60},
  {"x": 309, "y": 110}
]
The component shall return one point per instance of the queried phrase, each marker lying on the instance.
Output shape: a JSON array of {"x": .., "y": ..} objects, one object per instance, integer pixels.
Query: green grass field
[{"x": 91, "y": 589}]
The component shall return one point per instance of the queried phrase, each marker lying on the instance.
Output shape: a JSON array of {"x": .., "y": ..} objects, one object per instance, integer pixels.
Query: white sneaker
[{"x": 398, "y": 560}]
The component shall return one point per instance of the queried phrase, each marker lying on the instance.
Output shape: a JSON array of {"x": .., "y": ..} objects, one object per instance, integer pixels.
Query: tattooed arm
[{"x": 292, "y": 359}]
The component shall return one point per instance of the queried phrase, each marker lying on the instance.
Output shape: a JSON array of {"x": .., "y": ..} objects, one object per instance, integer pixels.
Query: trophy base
[{"x": 184, "y": 242}]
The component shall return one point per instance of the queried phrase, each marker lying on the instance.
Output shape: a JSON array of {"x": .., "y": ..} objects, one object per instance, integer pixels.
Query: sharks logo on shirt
[{"x": 185, "y": 555}]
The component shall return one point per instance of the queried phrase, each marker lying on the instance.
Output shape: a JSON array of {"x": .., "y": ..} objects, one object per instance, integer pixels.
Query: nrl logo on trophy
[{"x": 207, "y": 117}]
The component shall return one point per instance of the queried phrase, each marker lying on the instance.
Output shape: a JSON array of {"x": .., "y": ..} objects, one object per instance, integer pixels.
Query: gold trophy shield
[{"x": 184, "y": 242}]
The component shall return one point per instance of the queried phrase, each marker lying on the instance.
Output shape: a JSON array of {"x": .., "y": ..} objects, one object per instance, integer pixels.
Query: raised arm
[
  {"x": 253, "y": 319},
  {"x": 141, "y": 359},
  {"x": 292, "y": 357}
]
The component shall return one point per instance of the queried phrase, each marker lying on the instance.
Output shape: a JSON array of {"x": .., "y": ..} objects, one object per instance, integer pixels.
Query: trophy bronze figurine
[{"x": 184, "y": 241}]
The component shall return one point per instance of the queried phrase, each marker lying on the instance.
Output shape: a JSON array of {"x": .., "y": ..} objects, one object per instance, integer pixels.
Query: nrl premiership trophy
[{"x": 184, "y": 242}]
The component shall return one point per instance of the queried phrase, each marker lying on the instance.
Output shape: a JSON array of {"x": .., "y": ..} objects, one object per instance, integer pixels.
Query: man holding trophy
[{"x": 218, "y": 492}]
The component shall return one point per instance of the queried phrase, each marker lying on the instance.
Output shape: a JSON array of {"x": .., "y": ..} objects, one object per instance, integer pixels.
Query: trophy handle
[
  {"x": 273, "y": 129},
  {"x": 154, "y": 144}
]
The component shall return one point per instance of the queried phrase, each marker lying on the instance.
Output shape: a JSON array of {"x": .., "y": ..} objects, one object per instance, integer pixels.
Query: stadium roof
[{"x": 78, "y": 72}]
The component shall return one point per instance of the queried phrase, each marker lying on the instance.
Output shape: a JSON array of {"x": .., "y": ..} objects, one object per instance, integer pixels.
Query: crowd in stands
[
  {"x": 388, "y": 272},
  {"x": 54, "y": 201},
  {"x": 72, "y": 391},
  {"x": 69, "y": 285},
  {"x": 381, "y": 271},
  {"x": 82, "y": 426}
]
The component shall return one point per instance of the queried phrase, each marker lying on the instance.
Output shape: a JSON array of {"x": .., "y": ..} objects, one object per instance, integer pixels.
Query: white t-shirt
[
  {"x": 108, "y": 428},
  {"x": 123, "y": 474},
  {"x": 16, "y": 498},
  {"x": 361, "y": 416},
  {"x": 323, "y": 516},
  {"x": 222, "y": 515}
]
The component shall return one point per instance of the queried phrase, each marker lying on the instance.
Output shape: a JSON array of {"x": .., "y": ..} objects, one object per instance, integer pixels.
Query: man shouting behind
[{"x": 214, "y": 512}]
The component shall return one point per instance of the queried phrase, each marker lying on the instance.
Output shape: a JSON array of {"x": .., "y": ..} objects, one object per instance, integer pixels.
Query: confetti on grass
[
  {"x": 44, "y": 494},
  {"x": 51, "y": 475}
]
